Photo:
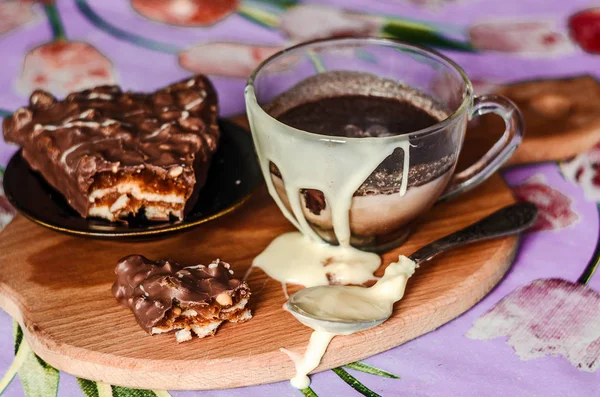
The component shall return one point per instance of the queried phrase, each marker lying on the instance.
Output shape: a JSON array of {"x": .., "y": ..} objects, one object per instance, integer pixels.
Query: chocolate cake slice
[
  {"x": 165, "y": 296},
  {"x": 112, "y": 153}
]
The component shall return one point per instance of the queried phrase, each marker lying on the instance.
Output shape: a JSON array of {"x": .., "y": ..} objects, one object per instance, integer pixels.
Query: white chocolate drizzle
[
  {"x": 66, "y": 153},
  {"x": 158, "y": 131},
  {"x": 317, "y": 345},
  {"x": 99, "y": 95},
  {"x": 336, "y": 166},
  {"x": 196, "y": 101},
  {"x": 82, "y": 123},
  {"x": 346, "y": 304}
]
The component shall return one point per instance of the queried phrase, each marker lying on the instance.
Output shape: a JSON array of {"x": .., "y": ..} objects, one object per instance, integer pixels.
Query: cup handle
[{"x": 499, "y": 153}]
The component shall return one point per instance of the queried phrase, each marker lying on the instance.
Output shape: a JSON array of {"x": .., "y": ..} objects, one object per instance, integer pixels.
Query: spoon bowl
[{"x": 319, "y": 323}]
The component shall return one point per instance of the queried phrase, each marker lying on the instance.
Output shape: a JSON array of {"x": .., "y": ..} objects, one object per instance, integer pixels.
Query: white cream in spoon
[{"x": 343, "y": 310}]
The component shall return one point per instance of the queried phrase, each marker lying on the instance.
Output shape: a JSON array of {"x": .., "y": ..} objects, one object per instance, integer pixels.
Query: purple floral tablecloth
[{"x": 536, "y": 334}]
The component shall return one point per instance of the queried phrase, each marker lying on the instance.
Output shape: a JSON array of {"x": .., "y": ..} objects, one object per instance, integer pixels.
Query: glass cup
[{"x": 368, "y": 191}]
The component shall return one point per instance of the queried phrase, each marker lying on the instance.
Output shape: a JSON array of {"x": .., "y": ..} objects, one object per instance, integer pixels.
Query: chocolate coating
[
  {"x": 171, "y": 134},
  {"x": 151, "y": 288}
]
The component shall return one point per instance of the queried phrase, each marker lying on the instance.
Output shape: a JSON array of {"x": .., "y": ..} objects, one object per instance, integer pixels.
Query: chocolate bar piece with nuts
[
  {"x": 112, "y": 153},
  {"x": 166, "y": 296}
]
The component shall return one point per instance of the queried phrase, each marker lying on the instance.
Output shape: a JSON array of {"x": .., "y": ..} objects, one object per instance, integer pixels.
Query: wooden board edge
[{"x": 555, "y": 147}]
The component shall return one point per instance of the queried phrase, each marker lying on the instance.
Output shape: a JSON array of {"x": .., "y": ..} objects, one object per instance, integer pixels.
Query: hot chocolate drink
[
  {"x": 358, "y": 116},
  {"x": 378, "y": 213}
]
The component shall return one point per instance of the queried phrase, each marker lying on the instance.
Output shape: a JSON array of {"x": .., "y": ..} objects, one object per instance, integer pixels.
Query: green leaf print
[
  {"x": 18, "y": 336},
  {"x": 419, "y": 33},
  {"x": 308, "y": 392},
  {"x": 58, "y": 29},
  {"x": 37, "y": 377},
  {"x": 20, "y": 356},
  {"x": 277, "y": 3},
  {"x": 125, "y": 392},
  {"x": 119, "y": 391},
  {"x": 99, "y": 389},
  {"x": 88, "y": 387},
  {"x": 368, "y": 369},
  {"x": 593, "y": 264},
  {"x": 354, "y": 383},
  {"x": 260, "y": 16}
]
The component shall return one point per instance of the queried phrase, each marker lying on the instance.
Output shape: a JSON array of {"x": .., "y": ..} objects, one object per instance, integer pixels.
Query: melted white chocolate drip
[
  {"x": 336, "y": 166},
  {"x": 345, "y": 303},
  {"x": 296, "y": 259},
  {"x": 317, "y": 345}
]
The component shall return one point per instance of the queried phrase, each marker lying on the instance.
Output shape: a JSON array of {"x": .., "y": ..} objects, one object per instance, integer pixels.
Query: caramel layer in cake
[{"x": 113, "y": 153}]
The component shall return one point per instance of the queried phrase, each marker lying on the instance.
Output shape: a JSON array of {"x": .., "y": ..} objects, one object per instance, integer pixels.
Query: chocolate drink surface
[
  {"x": 358, "y": 116},
  {"x": 380, "y": 214}
]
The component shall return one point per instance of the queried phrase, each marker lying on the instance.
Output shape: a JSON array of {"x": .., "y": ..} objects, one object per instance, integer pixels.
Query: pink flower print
[
  {"x": 308, "y": 22},
  {"x": 64, "y": 66},
  {"x": 547, "y": 317},
  {"x": 431, "y": 4},
  {"x": 524, "y": 37},
  {"x": 225, "y": 59},
  {"x": 7, "y": 212},
  {"x": 185, "y": 12},
  {"x": 14, "y": 13},
  {"x": 299, "y": 23},
  {"x": 554, "y": 208},
  {"x": 584, "y": 170},
  {"x": 584, "y": 28}
]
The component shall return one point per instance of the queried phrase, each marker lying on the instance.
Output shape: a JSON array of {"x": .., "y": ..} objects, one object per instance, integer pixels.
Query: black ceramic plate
[{"x": 233, "y": 175}]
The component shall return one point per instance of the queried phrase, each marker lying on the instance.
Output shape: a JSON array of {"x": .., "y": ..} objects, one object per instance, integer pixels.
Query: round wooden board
[{"x": 58, "y": 288}]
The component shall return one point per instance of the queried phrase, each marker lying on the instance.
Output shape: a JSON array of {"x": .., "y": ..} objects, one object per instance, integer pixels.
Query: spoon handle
[{"x": 506, "y": 221}]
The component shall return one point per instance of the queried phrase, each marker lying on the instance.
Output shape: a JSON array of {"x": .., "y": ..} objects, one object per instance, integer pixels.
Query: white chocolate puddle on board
[{"x": 296, "y": 259}]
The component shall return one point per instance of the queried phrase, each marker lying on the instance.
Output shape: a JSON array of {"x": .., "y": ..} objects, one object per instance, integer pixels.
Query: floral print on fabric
[
  {"x": 554, "y": 208},
  {"x": 308, "y": 22},
  {"x": 64, "y": 66},
  {"x": 14, "y": 13},
  {"x": 521, "y": 37},
  {"x": 584, "y": 28},
  {"x": 584, "y": 170},
  {"x": 185, "y": 12},
  {"x": 225, "y": 59},
  {"x": 547, "y": 317}
]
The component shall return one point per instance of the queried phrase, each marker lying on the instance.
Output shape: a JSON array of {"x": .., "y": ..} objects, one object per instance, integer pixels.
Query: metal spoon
[{"x": 509, "y": 220}]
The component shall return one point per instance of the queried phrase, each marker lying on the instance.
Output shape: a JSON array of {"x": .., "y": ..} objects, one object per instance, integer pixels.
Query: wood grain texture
[
  {"x": 58, "y": 288},
  {"x": 562, "y": 119}
]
